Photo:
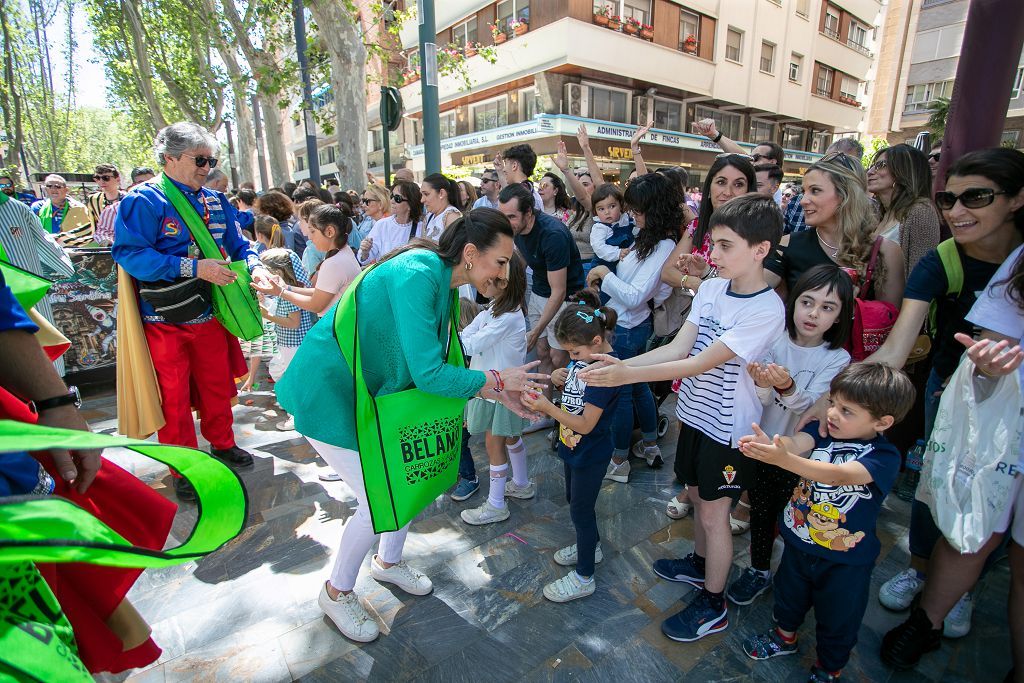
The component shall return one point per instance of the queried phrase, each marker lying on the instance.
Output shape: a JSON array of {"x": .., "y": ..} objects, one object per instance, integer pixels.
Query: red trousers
[{"x": 195, "y": 365}]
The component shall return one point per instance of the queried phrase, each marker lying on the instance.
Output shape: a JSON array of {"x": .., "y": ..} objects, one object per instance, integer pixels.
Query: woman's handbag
[
  {"x": 873, "y": 320},
  {"x": 234, "y": 304},
  {"x": 970, "y": 462},
  {"x": 671, "y": 313},
  {"x": 409, "y": 442}
]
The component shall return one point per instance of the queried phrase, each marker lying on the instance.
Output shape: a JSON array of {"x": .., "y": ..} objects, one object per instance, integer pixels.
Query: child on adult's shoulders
[{"x": 833, "y": 513}]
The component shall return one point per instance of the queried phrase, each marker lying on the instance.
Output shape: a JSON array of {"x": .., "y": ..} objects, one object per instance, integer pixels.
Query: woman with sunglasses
[
  {"x": 901, "y": 181},
  {"x": 842, "y": 221},
  {"x": 395, "y": 230},
  {"x": 374, "y": 204},
  {"x": 983, "y": 204},
  {"x": 192, "y": 353}
]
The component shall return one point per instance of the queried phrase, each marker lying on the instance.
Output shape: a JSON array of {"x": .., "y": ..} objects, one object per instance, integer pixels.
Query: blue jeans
[
  {"x": 467, "y": 470},
  {"x": 627, "y": 344}
]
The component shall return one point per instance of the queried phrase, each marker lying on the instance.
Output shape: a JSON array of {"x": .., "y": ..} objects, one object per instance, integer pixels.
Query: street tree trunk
[
  {"x": 141, "y": 65},
  {"x": 348, "y": 83},
  {"x": 246, "y": 136}
]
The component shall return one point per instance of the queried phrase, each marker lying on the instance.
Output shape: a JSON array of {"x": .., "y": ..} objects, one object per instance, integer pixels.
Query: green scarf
[{"x": 46, "y": 214}]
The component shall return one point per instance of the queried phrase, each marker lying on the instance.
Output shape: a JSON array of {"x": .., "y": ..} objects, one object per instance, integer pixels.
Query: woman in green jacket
[{"x": 408, "y": 296}]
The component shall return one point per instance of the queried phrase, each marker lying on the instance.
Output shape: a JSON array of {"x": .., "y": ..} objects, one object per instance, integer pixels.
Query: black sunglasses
[
  {"x": 203, "y": 161},
  {"x": 934, "y": 156},
  {"x": 368, "y": 200},
  {"x": 879, "y": 165},
  {"x": 757, "y": 157},
  {"x": 104, "y": 178},
  {"x": 488, "y": 180},
  {"x": 841, "y": 158},
  {"x": 397, "y": 198},
  {"x": 971, "y": 198}
]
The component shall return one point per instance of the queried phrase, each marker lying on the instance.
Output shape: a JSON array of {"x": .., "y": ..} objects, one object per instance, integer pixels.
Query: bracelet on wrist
[
  {"x": 499, "y": 386},
  {"x": 788, "y": 387},
  {"x": 717, "y": 137}
]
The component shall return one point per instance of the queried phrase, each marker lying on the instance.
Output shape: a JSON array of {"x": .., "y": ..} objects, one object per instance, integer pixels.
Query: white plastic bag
[{"x": 971, "y": 456}]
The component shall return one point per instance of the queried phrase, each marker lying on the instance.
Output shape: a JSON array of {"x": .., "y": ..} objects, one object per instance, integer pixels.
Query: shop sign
[
  {"x": 470, "y": 159},
  {"x": 620, "y": 152}
]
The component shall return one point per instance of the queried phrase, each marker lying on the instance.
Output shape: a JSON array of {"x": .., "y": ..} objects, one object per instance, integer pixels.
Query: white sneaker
[
  {"x": 619, "y": 473},
  {"x": 412, "y": 581},
  {"x": 898, "y": 592},
  {"x": 957, "y": 623},
  {"x": 652, "y": 454},
  {"x": 485, "y": 514},
  {"x": 349, "y": 616},
  {"x": 513, "y": 490},
  {"x": 569, "y": 587},
  {"x": 568, "y": 556},
  {"x": 288, "y": 425},
  {"x": 330, "y": 476}
]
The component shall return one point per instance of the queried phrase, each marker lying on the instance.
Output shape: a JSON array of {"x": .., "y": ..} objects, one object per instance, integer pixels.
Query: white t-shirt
[
  {"x": 994, "y": 310},
  {"x": 336, "y": 273},
  {"x": 495, "y": 343},
  {"x": 388, "y": 234},
  {"x": 434, "y": 225},
  {"x": 636, "y": 282},
  {"x": 722, "y": 402},
  {"x": 812, "y": 369}
]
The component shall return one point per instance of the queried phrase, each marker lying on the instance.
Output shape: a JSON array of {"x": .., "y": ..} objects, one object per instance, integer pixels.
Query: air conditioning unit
[
  {"x": 642, "y": 107},
  {"x": 577, "y": 100}
]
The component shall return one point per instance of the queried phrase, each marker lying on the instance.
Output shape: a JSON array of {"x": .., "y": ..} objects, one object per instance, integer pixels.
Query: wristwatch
[{"x": 73, "y": 397}]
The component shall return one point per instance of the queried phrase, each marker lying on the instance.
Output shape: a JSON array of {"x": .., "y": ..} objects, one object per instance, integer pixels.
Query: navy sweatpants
[
  {"x": 582, "y": 484},
  {"x": 837, "y": 592}
]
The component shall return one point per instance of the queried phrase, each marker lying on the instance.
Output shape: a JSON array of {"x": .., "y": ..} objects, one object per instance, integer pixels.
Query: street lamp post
[
  {"x": 312, "y": 155},
  {"x": 428, "y": 66}
]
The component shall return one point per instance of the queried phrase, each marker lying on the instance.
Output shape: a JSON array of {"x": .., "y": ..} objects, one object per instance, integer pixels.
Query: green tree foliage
[
  {"x": 939, "y": 116},
  {"x": 871, "y": 148},
  {"x": 103, "y": 136}
]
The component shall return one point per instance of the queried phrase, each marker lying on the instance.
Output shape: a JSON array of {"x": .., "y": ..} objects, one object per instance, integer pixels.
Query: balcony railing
[
  {"x": 858, "y": 47},
  {"x": 834, "y": 35},
  {"x": 823, "y": 92}
]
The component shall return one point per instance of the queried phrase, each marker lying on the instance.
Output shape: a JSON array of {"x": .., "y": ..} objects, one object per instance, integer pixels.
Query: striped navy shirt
[{"x": 722, "y": 402}]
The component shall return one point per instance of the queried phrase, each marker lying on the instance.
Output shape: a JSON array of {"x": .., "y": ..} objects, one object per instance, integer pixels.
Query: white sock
[
  {"x": 496, "y": 496},
  {"x": 584, "y": 580},
  {"x": 517, "y": 456}
]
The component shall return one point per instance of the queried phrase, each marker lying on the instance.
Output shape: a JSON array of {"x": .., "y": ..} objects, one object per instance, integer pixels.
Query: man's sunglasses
[
  {"x": 104, "y": 178},
  {"x": 368, "y": 200},
  {"x": 757, "y": 157},
  {"x": 488, "y": 180},
  {"x": 54, "y": 186},
  {"x": 971, "y": 198},
  {"x": 5, "y": 185},
  {"x": 203, "y": 161},
  {"x": 397, "y": 198},
  {"x": 934, "y": 156}
]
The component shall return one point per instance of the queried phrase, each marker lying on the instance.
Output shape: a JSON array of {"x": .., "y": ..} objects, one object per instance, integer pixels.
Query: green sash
[
  {"x": 234, "y": 304},
  {"x": 409, "y": 441},
  {"x": 36, "y": 640},
  {"x": 46, "y": 215}
]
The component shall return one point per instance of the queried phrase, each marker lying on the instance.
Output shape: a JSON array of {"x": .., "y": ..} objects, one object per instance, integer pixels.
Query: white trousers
[{"x": 357, "y": 538}]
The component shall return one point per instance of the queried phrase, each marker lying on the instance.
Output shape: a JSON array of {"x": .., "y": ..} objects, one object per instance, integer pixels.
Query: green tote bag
[
  {"x": 409, "y": 441},
  {"x": 234, "y": 304}
]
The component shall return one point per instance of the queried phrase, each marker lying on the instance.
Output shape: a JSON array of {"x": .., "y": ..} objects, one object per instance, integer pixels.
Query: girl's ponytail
[{"x": 584, "y": 319}]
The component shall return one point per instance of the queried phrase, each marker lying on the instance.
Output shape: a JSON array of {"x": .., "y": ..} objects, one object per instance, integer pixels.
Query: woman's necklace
[{"x": 835, "y": 250}]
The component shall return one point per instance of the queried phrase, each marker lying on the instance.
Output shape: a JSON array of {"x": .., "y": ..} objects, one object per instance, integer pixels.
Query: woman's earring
[{"x": 469, "y": 265}]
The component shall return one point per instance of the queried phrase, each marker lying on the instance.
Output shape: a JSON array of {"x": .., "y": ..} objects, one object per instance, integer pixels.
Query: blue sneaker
[
  {"x": 767, "y": 645},
  {"x": 698, "y": 620},
  {"x": 683, "y": 571},
  {"x": 748, "y": 585},
  {"x": 464, "y": 489}
]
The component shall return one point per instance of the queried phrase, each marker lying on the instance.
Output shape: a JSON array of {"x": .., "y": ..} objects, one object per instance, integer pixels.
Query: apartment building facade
[
  {"x": 929, "y": 35},
  {"x": 791, "y": 71}
]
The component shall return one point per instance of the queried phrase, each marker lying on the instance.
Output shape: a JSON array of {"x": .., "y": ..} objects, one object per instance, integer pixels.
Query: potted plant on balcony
[
  {"x": 498, "y": 35},
  {"x": 690, "y": 44},
  {"x": 614, "y": 22},
  {"x": 410, "y": 75},
  {"x": 470, "y": 49},
  {"x": 632, "y": 26},
  {"x": 519, "y": 27},
  {"x": 601, "y": 15},
  {"x": 647, "y": 32}
]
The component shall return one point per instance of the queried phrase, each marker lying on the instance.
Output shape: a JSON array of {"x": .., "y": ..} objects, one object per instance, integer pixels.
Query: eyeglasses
[
  {"x": 723, "y": 155},
  {"x": 203, "y": 161},
  {"x": 6, "y": 185},
  {"x": 879, "y": 165},
  {"x": 934, "y": 156},
  {"x": 971, "y": 198},
  {"x": 840, "y": 158},
  {"x": 54, "y": 186},
  {"x": 104, "y": 178},
  {"x": 488, "y": 180},
  {"x": 368, "y": 200},
  {"x": 397, "y": 198},
  {"x": 757, "y": 157}
]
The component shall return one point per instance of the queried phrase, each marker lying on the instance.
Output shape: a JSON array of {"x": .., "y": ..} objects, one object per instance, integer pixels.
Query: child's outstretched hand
[
  {"x": 757, "y": 374},
  {"x": 536, "y": 401},
  {"x": 777, "y": 375},
  {"x": 760, "y": 447},
  {"x": 608, "y": 372},
  {"x": 623, "y": 253},
  {"x": 559, "y": 377}
]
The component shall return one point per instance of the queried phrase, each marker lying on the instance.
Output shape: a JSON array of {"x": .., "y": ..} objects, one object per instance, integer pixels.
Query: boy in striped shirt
[{"x": 732, "y": 322}]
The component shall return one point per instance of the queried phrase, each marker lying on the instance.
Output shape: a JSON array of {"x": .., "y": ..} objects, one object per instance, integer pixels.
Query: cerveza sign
[{"x": 563, "y": 124}]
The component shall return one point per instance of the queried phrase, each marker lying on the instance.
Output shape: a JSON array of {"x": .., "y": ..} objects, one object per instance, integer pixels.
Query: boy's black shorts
[{"x": 715, "y": 469}]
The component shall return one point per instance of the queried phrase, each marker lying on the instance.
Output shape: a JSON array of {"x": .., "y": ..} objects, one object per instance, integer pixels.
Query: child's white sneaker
[
  {"x": 568, "y": 555},
  {"x": 569, "y": 587},
  {"x": 514, "y": 490},
  {"x": 485, "y": 514},
  {"x": 619, "y": 472}
]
